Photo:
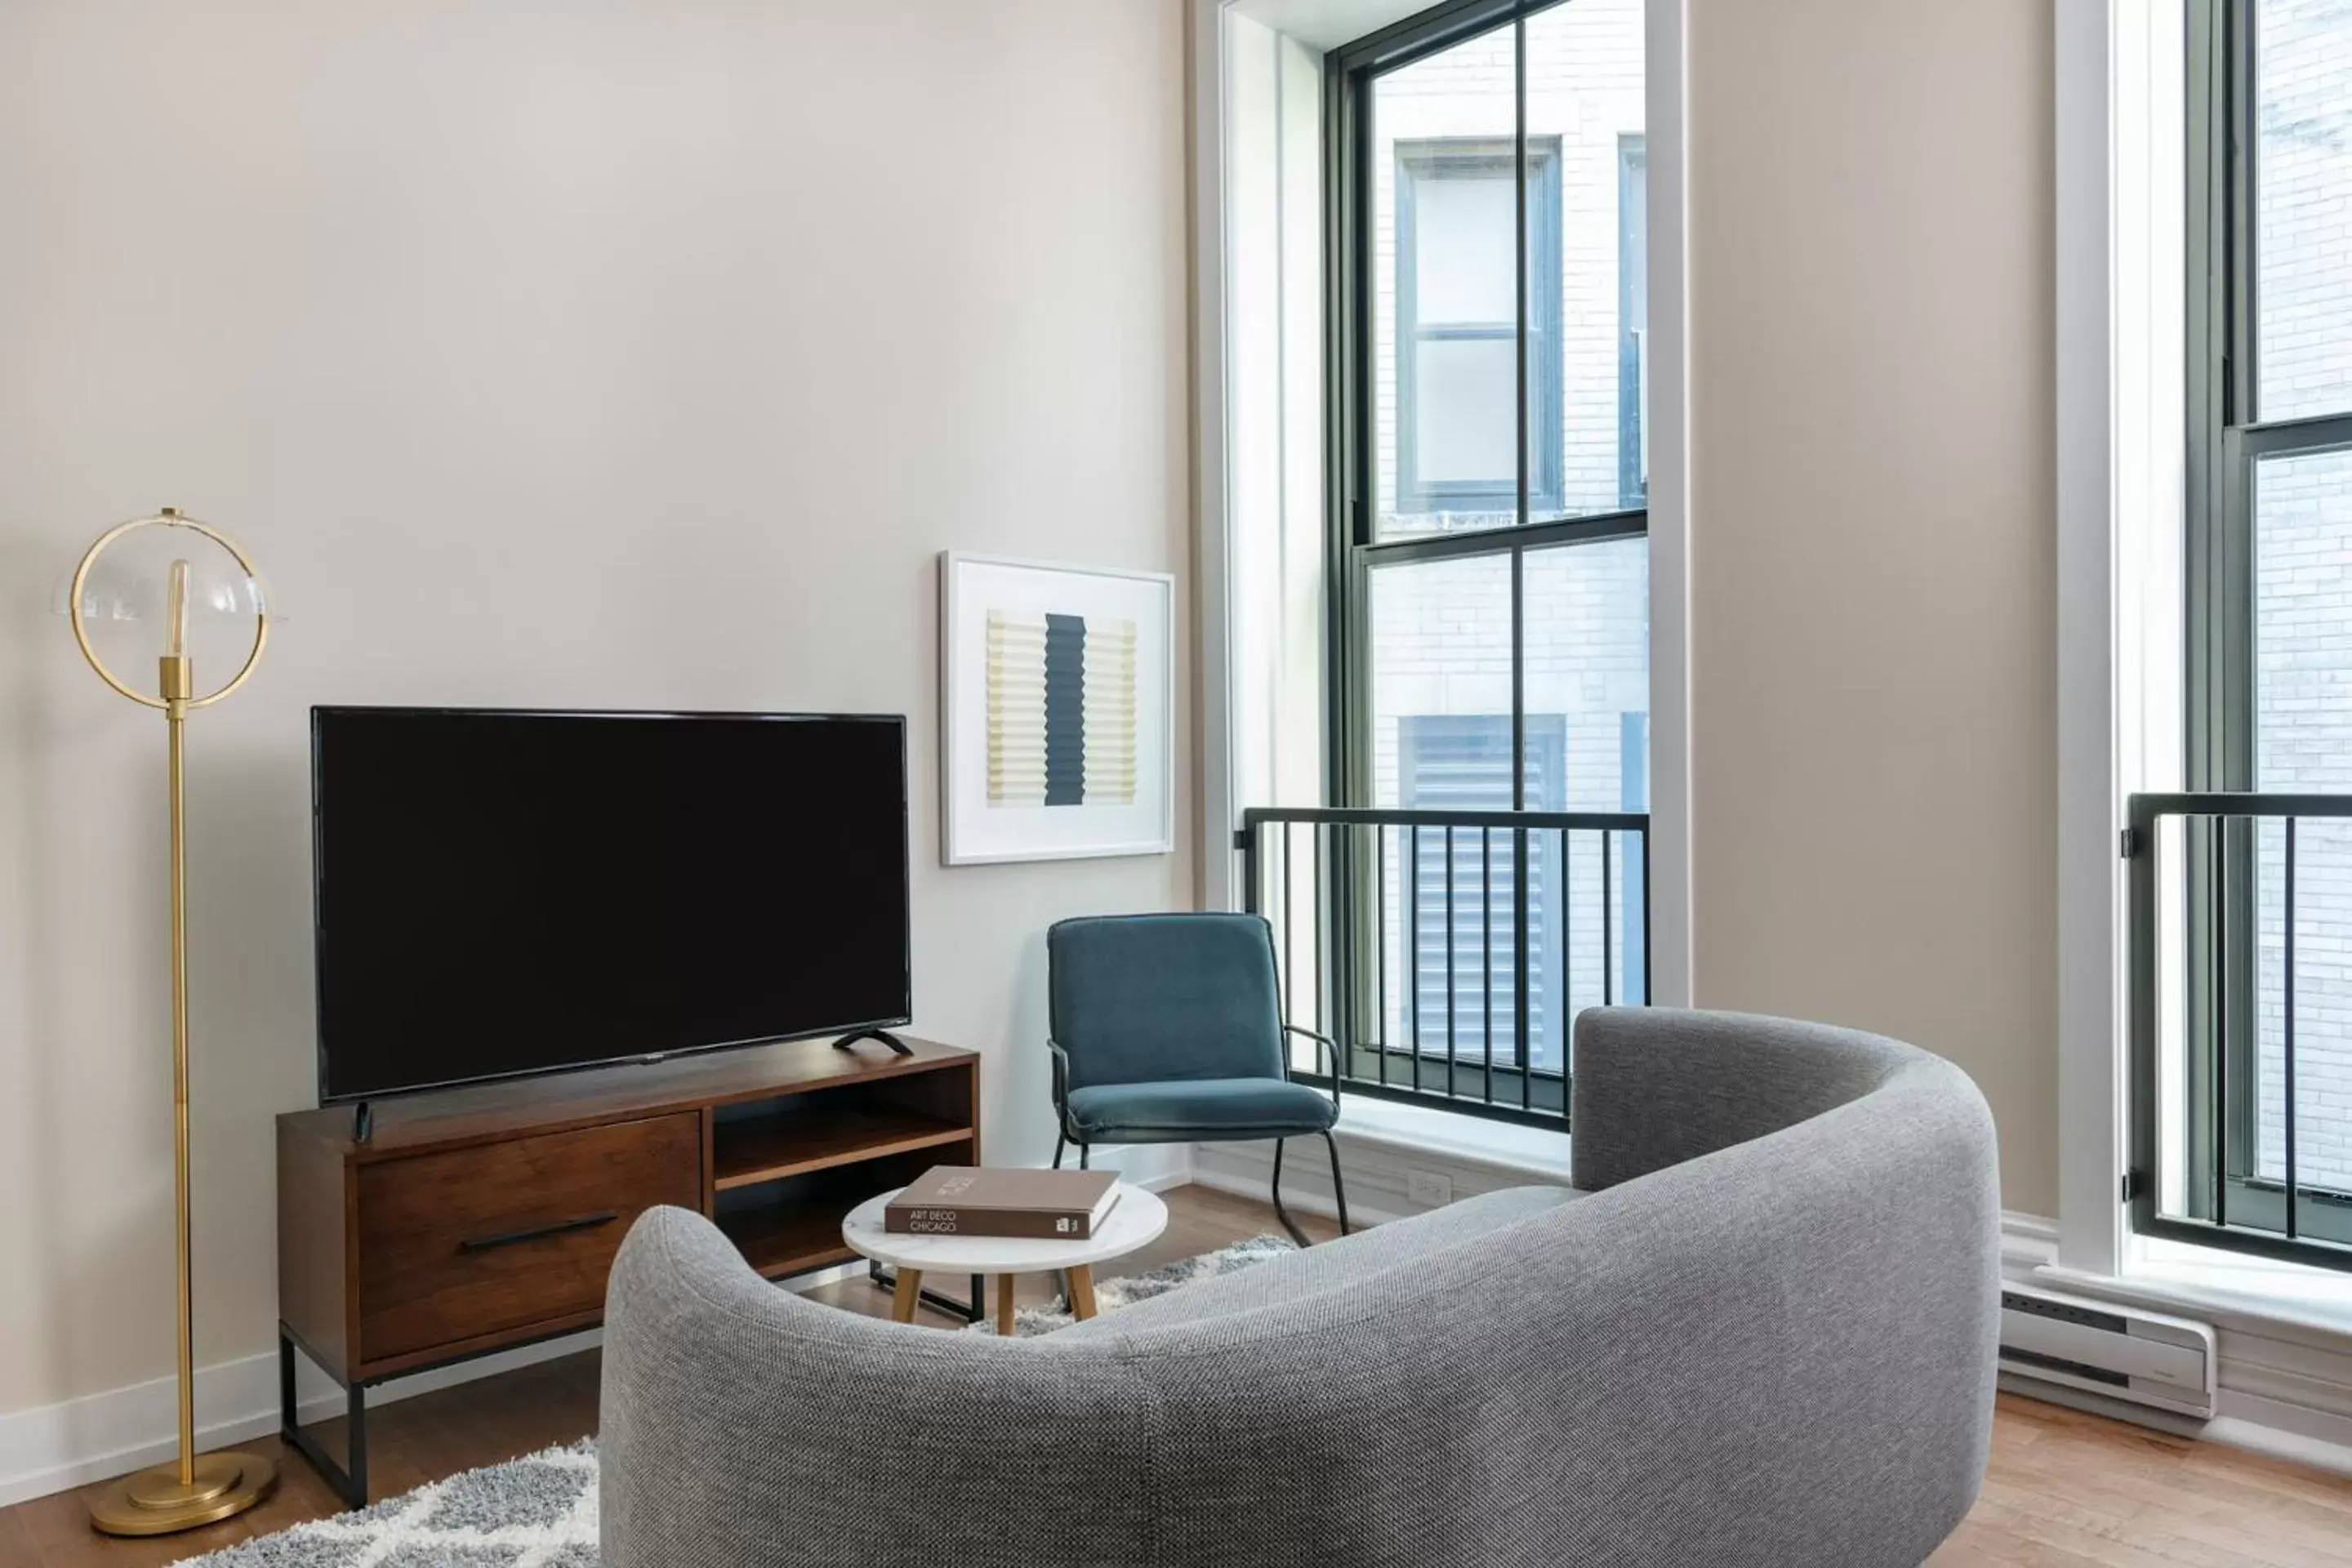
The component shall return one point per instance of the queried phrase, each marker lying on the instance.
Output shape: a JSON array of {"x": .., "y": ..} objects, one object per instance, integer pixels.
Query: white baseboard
[
  {"x": 2028, "y": 1242},
  {"x": 1154, "y": 1167},
  {"x": 1379, "y": 1165},
  {"x": 1299, "y": 1196},
  {"x": 56, "y": 1448}
]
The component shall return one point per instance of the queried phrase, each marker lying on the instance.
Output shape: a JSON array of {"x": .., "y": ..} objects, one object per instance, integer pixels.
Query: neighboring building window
[
  {"x": 1632, "y": 322},
  {"x": 1457, "y": 324},
  {"x": 1463, "y": 762}
]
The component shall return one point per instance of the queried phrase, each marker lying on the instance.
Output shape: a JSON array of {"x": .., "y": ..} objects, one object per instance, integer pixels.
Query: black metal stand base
[
  {"x": 897, "y": 1047},
  {"x": 349, "y": 1479},
  {"x": 974, "y": 1311}
]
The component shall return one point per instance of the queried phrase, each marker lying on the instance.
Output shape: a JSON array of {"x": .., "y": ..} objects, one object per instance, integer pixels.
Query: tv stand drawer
[{"x": 498, "y": 1237}]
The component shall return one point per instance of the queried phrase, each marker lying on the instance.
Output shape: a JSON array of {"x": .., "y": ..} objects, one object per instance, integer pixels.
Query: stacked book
[{"x": 966, "y": 1200}]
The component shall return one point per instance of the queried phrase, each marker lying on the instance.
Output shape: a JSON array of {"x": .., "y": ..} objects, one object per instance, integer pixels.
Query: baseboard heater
[{"x": 2146, "y": 1358}]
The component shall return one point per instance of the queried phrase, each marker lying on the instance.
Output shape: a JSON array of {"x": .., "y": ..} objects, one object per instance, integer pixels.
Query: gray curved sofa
[{"x": 1760, "y": 1331}]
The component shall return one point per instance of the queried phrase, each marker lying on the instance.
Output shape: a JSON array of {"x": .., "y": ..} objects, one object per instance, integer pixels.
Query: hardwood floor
[
  {"x": 2069, "y": 1488},
  {"x": 2065, "y": 1488}
]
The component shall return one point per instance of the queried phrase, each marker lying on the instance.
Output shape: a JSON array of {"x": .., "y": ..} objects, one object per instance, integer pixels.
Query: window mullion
[
  {"x": 2237, "y": 234},
  {"x": 1519, "y": 557}
]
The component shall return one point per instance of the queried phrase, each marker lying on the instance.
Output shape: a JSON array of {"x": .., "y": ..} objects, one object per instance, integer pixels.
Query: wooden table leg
[
  {"x": 1004, "y": 1305},
  {"x": 908, "y": 1292},
  {"x": 1081, "y": 1291}
]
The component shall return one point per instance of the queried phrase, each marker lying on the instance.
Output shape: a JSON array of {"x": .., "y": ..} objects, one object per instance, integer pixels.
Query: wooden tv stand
[{"x": 478, "y": 1219}]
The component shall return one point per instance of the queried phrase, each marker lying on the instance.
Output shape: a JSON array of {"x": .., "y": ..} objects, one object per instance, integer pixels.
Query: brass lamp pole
[{"x": 196, "y": 1490}]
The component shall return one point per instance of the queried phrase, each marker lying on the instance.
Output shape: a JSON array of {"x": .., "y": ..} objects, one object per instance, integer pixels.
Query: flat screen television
[{"x": 503, "y": 893}]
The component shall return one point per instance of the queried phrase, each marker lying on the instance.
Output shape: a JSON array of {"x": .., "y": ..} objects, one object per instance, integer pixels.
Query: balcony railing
[
  {"x": 1445, "y": 953},
  {"x": 2240, "y": 1014}
]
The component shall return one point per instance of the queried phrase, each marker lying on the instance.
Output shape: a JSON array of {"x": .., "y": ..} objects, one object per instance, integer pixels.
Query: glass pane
[
  {"x": 1440, "y": 645},
  {"x": 1444, "y": 290},
  {"x": 1460, "y": 987},
  {"x": 1441, "y": 740},
  {"x": 1465, "y": 415},
  {"x": 1462, "y": 228},
  {"x": 1588, "y": 670},
  {"x": 1588, "y": 260},
  {"x": 2303, "y": 207},
  {"x": 2303, "y": 700}
]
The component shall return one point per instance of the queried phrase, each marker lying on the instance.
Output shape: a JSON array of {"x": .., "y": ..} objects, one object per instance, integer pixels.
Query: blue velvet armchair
[{"x": 1168, "y": 1029}]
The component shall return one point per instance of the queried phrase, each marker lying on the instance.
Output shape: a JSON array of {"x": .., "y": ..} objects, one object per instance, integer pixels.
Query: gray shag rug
[{"x": 539, "y": 1511}]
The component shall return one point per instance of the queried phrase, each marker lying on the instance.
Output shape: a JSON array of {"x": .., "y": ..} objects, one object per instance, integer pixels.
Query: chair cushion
[{"x": 1200, "y": 1107}]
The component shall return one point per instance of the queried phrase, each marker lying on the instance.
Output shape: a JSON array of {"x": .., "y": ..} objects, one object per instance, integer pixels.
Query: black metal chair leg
[
  {"x": 1338, "y": 1188},
  {"x": 1058, "y": 1151},
  {"x": 1280, "y": 1213},
  {"x": 1084, "y": 1151}
]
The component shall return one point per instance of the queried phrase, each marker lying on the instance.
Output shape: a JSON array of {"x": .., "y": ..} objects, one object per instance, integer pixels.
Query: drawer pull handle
[{"x": 561, "y": 1227}]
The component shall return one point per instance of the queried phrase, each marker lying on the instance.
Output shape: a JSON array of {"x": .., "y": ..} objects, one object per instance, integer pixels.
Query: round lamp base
[{"x": 155, "y": 1502}]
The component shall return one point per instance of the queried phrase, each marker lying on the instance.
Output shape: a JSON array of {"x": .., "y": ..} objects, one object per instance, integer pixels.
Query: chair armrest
[{"x": 1326, "y": 1047}]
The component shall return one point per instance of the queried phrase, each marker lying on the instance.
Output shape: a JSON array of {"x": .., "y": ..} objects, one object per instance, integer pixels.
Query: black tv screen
[{"x": 507, "y": 893}]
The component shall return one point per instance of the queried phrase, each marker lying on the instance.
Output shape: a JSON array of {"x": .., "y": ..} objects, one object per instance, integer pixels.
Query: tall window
[
  {"x": 2270, "y": 587},
  {"x": 1490, "y": 565}
]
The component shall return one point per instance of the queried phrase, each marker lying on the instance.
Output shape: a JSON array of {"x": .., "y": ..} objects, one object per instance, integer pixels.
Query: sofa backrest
[{"x": 1769, "y": 1348}]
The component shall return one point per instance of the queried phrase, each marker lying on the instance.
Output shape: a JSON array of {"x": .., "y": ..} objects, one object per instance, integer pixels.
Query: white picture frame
[{"x": 1007, "y": 772}]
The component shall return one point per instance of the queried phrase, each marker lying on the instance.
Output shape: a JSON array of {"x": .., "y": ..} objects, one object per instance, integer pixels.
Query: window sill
[
  {"x": 1467, "y": 1140},
  {"x": 2249, "y": 1295}
]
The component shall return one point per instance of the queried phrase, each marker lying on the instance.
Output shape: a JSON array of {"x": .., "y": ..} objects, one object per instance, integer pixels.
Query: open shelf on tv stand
[{"x": 473, "y": 1220}]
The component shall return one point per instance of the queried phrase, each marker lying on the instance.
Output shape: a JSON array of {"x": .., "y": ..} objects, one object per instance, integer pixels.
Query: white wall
[{"x": 573, "y": 354}]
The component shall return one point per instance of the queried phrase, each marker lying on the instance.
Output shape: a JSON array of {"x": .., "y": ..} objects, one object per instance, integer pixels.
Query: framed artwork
[{"x": 1056, "y": 705}]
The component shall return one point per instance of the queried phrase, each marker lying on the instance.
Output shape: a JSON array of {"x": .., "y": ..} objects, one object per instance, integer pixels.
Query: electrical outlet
[{"x": 1431, "y": 1189}]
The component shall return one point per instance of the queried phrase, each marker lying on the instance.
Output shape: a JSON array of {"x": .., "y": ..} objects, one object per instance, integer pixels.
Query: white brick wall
[
  {"x": 2303, "y": 574},
  {"x": 2303, "y": 230},
  {"x": 1441, "y": 632}
]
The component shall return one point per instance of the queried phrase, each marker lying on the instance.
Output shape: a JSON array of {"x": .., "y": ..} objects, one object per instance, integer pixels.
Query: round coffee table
[{"x": 1137, "y": 1219}]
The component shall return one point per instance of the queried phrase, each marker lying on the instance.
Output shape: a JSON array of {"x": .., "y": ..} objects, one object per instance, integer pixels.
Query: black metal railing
[
  {"x": 2239, "y": 910},
  {"x": 1445, "y": 953}
]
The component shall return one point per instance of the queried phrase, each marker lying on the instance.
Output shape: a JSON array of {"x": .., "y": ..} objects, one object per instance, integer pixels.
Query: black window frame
[{"x": 2227, "y": 440}]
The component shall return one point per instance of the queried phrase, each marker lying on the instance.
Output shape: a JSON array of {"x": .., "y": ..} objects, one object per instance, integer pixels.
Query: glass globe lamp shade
[{"x": 167, "y": 584}]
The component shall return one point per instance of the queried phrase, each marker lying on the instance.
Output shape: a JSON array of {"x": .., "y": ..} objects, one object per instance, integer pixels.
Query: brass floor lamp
[{"x": 167, "y": 581}]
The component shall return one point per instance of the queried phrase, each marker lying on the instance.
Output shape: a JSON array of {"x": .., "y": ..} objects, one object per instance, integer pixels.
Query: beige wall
[
  {"x": 1872, "y": 532},
  {"x": 644, "y": 361}
]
